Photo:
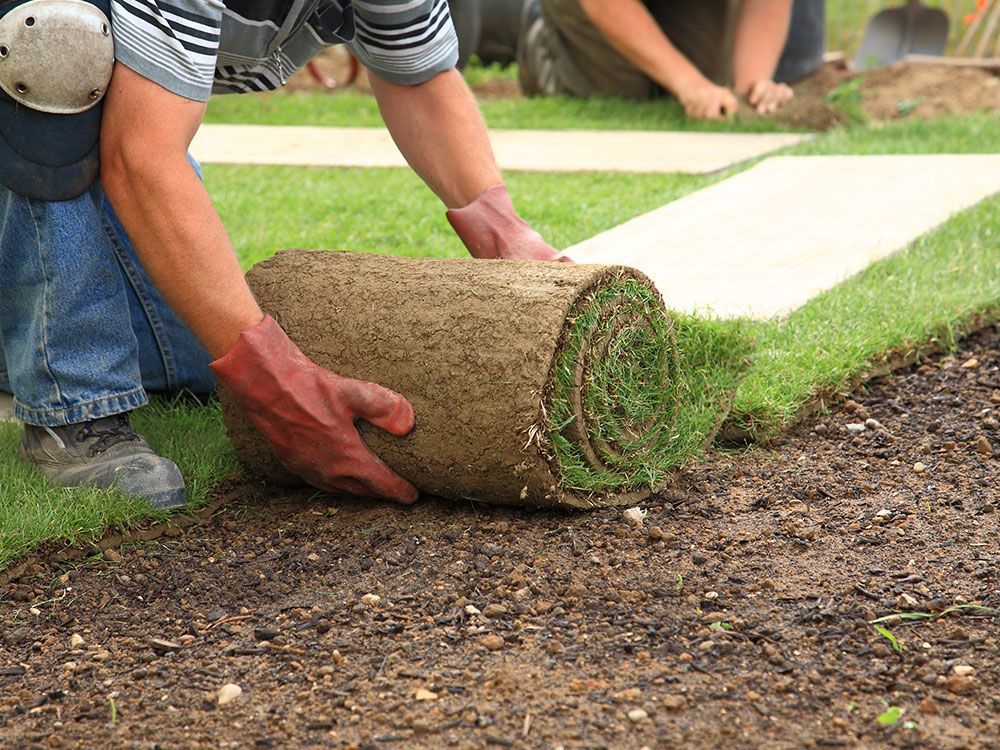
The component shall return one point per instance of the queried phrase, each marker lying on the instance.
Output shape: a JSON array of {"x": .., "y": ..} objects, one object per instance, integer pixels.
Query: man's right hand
[
  {"x": 307, "y": 414},
  {"x": 703, "y": 100}
]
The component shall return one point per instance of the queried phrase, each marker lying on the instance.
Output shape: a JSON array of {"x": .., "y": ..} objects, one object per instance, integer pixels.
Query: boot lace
[{"x": 109, "y": 432}]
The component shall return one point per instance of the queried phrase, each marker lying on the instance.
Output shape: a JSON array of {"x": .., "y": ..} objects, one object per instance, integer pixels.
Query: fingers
[
  {"x": 380, "y": 481},
  {"x": 767, "y": 96},
  {"x": 385, "y": 409}
]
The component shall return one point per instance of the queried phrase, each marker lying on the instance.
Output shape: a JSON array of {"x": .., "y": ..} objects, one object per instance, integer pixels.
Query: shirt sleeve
[
  {"x": 174, "y": 44},
  {"x": 404, "y": 41}
]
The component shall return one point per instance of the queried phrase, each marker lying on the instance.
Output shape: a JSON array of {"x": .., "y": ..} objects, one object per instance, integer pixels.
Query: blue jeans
[{"x": 83, "y": 332}]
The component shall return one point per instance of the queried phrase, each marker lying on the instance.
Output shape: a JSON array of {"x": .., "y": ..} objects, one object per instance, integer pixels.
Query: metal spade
[{"x": 892, "y": 34}]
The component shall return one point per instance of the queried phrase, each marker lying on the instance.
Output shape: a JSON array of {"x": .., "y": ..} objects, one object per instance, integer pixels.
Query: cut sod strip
[
  {"x": 534, "y": 384},
  {"x": 518, "y": 150},
  {"x": 764, "y": 242}
]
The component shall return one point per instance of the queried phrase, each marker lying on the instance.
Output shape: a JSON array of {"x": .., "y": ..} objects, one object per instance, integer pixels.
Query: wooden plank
[
  {"x": 763, "y": 242},
  {"x": 516, "y": 150},
  {"x": 986, "y": 63}
]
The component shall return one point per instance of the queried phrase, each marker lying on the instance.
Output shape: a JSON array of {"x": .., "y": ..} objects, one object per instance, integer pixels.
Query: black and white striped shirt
[{"x": 198, "y": 47}]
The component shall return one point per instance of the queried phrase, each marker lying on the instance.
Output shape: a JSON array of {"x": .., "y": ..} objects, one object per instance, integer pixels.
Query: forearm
[
  {"x": 439, "y": 129},
  {"x": 183, "y": 246},
  {"x": 631, "y": 29},
  {"x": 761, "y": 32}
]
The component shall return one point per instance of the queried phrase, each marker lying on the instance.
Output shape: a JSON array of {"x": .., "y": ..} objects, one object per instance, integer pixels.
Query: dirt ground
[
  {"x": 737, "y": 614},
  {"x": 822, "y": 101}
]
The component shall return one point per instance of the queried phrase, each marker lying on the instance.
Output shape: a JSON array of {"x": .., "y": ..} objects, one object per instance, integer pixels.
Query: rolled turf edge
[{"x": 533, "y": 383}]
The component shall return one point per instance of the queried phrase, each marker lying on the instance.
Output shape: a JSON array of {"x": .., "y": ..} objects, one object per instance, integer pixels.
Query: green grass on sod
[
  {"x": 895, "y": 308},
  {"x": 354, "y": 109},
  {"x": 901, "y": 303}
]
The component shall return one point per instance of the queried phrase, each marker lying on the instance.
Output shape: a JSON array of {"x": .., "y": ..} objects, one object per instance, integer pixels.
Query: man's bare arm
[
  {"x": 631, "y": 29},
  {"x": 166, "y": 210},
  {"x": 761, "y": 33},
  {"x": 439, "y": 129}
]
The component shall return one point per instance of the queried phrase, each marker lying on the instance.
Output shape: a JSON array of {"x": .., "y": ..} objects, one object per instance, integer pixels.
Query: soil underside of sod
[
  {"x": 832, "y": 96},
  {"x": 577, "y": 618}
]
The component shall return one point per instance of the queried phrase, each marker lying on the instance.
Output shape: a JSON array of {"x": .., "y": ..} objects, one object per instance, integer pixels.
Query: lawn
[{"x": 925, "y": 294}]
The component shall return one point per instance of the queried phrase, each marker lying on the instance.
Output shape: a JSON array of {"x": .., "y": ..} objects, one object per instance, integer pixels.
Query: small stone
[
  {"x": 656, "y": 534},
  {"x": 855, "y": 427},
  {"x": 112, "y": 555},
  {"x": 162, "y": 645},
  {"x": 186, "y": 639},
  {"x": 674, "y": 702},
  {"x": 423, "y": 694},
  {"x": 635, "y": 516},
  {"x": 313, "y": 557},
  {"x": 970, "y": 364},
  {"x": 372, "y": 600},
  {"x": 919, "y": 468},
  {"x": 492, "y": 642},
  {"x": 710, "y": 595},
  {"x": 472, "y": 610},
  {"x": 906, "y": 603},
  {"x": 873, "y": 424},
  {"x": 228, "y": 693},
  {"x": 76, "y": 641},
  {"x": 963, "y": 670},
  {"x": 983, "y": 446},
  {"x": 883, "y": 515},
  {"x": 494, "y": 610},
  {"x": 637, "y": 714},
  {"x": 928, "y": 706},
  {"x": 101, "y": 655},
  {"x": 960, "y": 684},
  {"x": 35, "y": 611}
]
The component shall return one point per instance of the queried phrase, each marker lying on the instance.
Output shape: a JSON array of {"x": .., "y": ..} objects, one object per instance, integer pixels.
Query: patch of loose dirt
[
  {"x": 922, "y": 91},
  {"x": 456, "y": 625}
]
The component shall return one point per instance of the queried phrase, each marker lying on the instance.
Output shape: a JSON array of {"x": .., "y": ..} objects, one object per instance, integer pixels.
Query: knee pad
[{"x": 56, "y": 58}]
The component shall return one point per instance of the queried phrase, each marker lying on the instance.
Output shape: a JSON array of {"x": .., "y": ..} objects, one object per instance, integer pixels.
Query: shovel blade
[{"x": 892, "y": 34}]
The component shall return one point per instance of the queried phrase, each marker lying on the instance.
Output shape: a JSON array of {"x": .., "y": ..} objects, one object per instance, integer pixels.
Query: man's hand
[
  {"x": 491, "y": 228},
  {"x": 703, "y": 100},
  {"x": 307, "y": 414},
  {"x": 766, "y": 96}
]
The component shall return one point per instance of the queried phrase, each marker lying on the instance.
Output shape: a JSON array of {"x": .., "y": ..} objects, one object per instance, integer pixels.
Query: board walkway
[
  {"x": 763, "y": 242},
  {"x": 516, "y": 150}
]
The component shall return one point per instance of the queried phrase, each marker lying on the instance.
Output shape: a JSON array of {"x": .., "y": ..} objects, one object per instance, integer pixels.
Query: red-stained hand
[
  {"x": 307, "y": 414},
  {"x": 490, "y": 227}
]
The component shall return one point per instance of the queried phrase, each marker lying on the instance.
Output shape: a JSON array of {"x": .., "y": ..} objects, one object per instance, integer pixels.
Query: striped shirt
[{"x": 198, "y": 47}]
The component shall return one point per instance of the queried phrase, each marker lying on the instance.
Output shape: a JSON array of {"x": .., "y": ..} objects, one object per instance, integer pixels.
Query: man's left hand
[
  {"x": 766, "y": 96},
  {"x": 490, "y": 227}
]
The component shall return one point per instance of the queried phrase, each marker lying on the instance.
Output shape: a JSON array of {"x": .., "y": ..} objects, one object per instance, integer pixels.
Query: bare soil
[
  {"x": 737, "y": 614},
  {"x": 922, "y": 91}
]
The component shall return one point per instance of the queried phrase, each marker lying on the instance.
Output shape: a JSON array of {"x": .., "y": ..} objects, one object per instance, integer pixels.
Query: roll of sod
[{"x": 533, "y": 384}]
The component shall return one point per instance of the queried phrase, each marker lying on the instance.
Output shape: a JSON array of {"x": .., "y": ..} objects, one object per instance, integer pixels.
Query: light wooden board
[
  {"x": 763, "y": 242},
  {"x": 517, "y": 150},
  {"x": 6, "y": 404}
]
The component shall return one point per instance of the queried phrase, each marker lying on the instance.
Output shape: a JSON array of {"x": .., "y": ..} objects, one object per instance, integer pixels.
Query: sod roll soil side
[{"x": 533, "y": 383}]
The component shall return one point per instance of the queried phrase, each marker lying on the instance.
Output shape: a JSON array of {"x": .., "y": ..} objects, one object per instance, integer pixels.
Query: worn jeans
[{"x": 83, "y": 332}]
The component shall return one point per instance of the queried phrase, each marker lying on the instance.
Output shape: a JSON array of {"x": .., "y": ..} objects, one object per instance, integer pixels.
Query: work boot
[{"x": 105, "y": 453}]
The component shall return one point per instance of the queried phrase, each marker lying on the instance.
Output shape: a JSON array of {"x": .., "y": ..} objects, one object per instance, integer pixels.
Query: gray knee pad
[{"x": 56, "y": 58}]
